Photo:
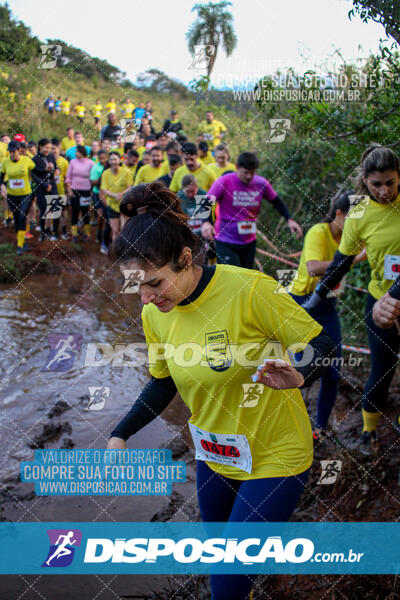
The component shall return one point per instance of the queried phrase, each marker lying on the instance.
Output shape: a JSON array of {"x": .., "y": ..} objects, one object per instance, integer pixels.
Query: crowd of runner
[{"x": 188, "y": 213}]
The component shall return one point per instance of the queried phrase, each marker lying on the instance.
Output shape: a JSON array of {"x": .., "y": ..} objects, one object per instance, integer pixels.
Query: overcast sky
[{"x": 136, "y": 35}]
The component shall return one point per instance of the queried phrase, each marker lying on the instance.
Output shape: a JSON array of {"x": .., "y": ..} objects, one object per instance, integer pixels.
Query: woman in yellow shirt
[
  {"x": 320, "y": 244},
  {"x": 115, "y": 181},
  {"x": 374, "y": 223},
  {"x": 207, "y": 329},
  {"x": 80, "y": 111},
  {"x": 16, "y": 171}
]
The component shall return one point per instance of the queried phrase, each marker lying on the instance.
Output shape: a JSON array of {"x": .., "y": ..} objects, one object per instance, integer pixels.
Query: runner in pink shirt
[
  {"x": 78, "y": 187},
  {"x": 238, "y": 196}
]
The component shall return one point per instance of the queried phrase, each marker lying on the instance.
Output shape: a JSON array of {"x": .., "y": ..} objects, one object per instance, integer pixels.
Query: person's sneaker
[
  {"x": 369, "y": 445},
  {"x": 20, "y": 251},
  {"x": 53, "y": 238},
  {"x": 64, "y": 236},
  {"x": 103, "y": 249},
  {"x": 28, "y": 235},
  {"x": 37, "y": 228},
  {"x": 42, "y": 237}
]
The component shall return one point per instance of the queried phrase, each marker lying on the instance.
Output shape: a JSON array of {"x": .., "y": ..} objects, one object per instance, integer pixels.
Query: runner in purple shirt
[{"x": 238, "y": 197}]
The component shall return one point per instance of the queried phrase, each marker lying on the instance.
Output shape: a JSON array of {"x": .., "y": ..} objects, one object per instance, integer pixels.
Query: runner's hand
[
  {"x": 116, "y": 443},
  {"x": 360, "y": 256},
  {"x": 278, "y": 374},
  {"x": 385, "y": 311},
  {"x": 295, "y": 228},
  {"x": 207, "y": 231}
]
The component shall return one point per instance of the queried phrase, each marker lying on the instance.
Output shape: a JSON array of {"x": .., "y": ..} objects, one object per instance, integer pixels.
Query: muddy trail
[{"x": 78, "y": 290}]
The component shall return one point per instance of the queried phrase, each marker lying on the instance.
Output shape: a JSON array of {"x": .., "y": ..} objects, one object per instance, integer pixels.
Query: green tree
[
  {"x": 386, "y": 12},
  {"x": 213, "y": 27},
  {"x": 16, "y": 42}
]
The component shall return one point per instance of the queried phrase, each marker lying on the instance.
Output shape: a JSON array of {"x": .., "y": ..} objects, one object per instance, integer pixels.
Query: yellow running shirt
[
  {"x": 3, "y": 152},
  {"x": 18, "y": 175},
  {"x": 204, "y": 178},
  {"x": 65, "y": 107},
  {"x": 210, "y": 131},
  {"x": 318, "y": 245},
  {"x": 377, "y": 227},
  {"x": 216, "y": 171},
  {"x": 127, "y": 109},
  {"x": 148, "y": 173},
  {"x": 80, "y": 110},
  {"x": 62, "y": 165},
  {"x": 96, "y": 110},
  {"x": 110, "y": 107},
  {"x": 66, "y": 143},
  {"x": 234, "y": 324},
  {"x": 115, "y": 184}
]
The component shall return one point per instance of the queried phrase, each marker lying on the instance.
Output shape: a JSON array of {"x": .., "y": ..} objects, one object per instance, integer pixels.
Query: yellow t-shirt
[
  {"x": 377, "y": 227},
  {"x": 216, "y": 171},
  {"x": 318, "y": 245},
  {"x": 110, "y": 107},
  {"x": 96, "y": 110},
  {"x": 127, "y": 109},
  {"x": 233, "y": 325},
  {"x": 66, "y": 143},
  {"x": 65, "y": 107},
  {"x": 62, "y": 165},
  {"x": 18, "y": 175},
  {"x": 132, "y": 169},
  {"x": 115, "y": 184},
  {"x": 148, "y": 173},
  {"x": 140, "y": 150},
  {"x": 210, "y": 131},
  {"x": 204, "y": 178},
  {"x": 208, "y": 160},
  {"x": 80, "y": 110},
  {"x": 3, "y": 152}
]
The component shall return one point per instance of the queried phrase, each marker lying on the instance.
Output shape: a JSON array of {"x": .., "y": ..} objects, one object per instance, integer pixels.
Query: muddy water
[{"x": 50, "y": 408}]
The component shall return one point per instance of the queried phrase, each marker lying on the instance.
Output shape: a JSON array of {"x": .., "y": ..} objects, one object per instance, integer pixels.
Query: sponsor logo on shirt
[{"x": 218, "y": 352}]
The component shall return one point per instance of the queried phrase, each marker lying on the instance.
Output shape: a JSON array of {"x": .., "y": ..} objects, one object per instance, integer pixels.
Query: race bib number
[
  {"x": 391, "y": 268},
  {"x": 57, "y": 178},
  {"x": 16, "y": 184},
  {"x": 232, "y": 450},
  {"x": 84, "y": 200},
  {"x": 247, "y": 227},
  {"x": 195, "y": 225},
  {"x": 338, "y": 290},
  {"x": 208, "y": 136}
]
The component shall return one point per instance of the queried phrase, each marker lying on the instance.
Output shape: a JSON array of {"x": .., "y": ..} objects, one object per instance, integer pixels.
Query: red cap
[{"x": 19, "y": 137}]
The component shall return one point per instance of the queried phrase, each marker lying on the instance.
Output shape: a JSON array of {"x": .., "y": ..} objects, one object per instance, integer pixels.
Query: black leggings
[
  {"x": 41, "y": 194},
  {"x": 241, "y": 255},
  {"x": 384, "y": 345},
  {"x": 19, "y": 206},
  {"x": 76, "y": 207}
]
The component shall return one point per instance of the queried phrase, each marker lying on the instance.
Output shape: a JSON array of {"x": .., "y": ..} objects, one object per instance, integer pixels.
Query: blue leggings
[
  {"x": 325, "y": 314},
  {"x": 223, "y": 499}
]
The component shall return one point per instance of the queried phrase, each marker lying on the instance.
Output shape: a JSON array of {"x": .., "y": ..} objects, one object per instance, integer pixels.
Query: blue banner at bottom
[{"x": 199, "y": 548}]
